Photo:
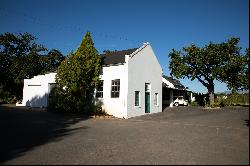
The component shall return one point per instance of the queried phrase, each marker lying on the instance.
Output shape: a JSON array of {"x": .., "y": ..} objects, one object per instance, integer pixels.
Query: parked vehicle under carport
[{"x": 179, "y": 100}]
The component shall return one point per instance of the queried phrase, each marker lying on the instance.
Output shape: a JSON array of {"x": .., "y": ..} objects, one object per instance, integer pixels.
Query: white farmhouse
[{"x": 131, "y": 84}]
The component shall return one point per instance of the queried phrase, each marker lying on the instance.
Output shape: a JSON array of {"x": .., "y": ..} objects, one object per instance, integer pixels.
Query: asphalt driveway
[{"x": 184, "y": 135}]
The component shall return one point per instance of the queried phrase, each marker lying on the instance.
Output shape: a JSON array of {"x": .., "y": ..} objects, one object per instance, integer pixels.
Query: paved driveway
[{"x": 184, "y": 135}]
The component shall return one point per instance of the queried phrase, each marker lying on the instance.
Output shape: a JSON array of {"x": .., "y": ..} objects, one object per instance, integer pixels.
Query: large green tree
[
  {"x": 21, "y": 58},
  {"x": 79, "y": 73},
  {"x": 223, "y": 62}
]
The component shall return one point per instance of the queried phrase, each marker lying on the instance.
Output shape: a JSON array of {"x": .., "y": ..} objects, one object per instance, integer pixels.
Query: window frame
[
  {"x": 99, "y": 91},
  {"x": 156, "y": 99},
  {"x": 147, "y": 87},
  {"x": 115, "y": 88},
  {"x": 139, "y": 99}
]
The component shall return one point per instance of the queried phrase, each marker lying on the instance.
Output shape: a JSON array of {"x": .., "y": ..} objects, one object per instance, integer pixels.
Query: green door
[{"x": 147, "y": 102}]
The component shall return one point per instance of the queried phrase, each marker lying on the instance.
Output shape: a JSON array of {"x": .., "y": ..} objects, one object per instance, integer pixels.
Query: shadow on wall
[
  {"x": 38, "y": 101},
  {"x": 23, "y": 129}
]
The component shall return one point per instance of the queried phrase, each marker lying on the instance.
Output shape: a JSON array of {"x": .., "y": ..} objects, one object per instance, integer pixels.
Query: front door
[{"x": 147, "y": 102}]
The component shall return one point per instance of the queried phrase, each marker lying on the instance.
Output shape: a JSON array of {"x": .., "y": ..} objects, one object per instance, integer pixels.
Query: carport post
[
  {"x": 191, "y": 96},
  {"x": 171, "y": 98}
]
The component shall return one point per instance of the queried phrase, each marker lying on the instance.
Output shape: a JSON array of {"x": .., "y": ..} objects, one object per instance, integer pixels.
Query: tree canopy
[
  {"x": 21, "y": 58},
  {"x": 223, "y": 62},
  {"x": 79, "y": 74}
]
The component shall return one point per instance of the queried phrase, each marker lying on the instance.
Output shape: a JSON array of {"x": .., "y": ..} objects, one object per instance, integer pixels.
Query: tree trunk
[
  {"x": 211, "y": 93},
  {"x": 211, "y": 98}
]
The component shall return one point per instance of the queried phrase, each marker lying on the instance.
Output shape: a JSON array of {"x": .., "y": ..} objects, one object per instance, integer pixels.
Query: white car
[{"x": 179, "y": 100}]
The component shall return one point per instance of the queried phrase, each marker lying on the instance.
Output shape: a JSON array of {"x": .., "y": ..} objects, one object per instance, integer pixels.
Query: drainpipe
[{"x": 126, "y": 87}]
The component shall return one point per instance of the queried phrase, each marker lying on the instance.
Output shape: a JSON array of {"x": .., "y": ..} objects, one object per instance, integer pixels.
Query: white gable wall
[
  {"x": 143, "y": 68},
  {"x": 114, "y": 106}
]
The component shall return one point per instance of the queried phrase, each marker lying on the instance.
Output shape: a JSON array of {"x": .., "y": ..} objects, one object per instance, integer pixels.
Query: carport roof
[{"x": 175, "y": 82}]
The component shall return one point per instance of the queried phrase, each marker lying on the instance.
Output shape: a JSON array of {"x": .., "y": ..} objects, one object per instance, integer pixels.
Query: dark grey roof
[
  {"x": 115, "y": 57},
  {"x": 175, "y": 82}
]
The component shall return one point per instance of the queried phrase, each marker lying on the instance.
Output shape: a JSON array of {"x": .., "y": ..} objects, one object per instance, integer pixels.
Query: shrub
[
  {"x": 236, "y": 99},
  {"x": 222, "y": 104},
  {"x": 62, "y": 102},
  {"x": 7, "y": 97},
  {"x": 215, "y": 104},
  {"x": 218, "y": 102},
  {"x": 58, "y": 101},
  {"x": 194, "y": 103},
  {"x": 201, "y": 99},
  {"x": 98, "y": 108}
]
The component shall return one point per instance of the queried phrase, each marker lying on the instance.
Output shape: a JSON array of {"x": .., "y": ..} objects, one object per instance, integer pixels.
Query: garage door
[{"x": 37, "y": 96}]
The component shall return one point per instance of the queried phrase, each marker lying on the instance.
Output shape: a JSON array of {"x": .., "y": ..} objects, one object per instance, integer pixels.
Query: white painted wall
[
  {"x": 37, "y": 96},
  {"x": 114, "y": 106},
  {"x": 143, "y": 67}
]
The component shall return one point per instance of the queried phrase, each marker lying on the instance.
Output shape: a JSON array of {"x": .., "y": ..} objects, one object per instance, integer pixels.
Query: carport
[{"x": 172, "y": 88}]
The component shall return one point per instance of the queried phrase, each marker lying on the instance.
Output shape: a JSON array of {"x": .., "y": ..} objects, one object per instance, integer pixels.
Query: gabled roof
[
  {"x": 116, "y": 57},
  {"x": 176, "y": 83}
]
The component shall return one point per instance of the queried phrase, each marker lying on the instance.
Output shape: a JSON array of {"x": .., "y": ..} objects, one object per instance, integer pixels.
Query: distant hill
[
  {"x": 226, "y": 92},
  {"x": 244, "y": 91},
  {"x": 229, "y": 92}
]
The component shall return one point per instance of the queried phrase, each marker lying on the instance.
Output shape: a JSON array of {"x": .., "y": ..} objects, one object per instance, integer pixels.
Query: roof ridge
[
  {"x": 125, "y": 49},
  {"x": 139, "y": 49},
  {"x": 115, "y": 51}
]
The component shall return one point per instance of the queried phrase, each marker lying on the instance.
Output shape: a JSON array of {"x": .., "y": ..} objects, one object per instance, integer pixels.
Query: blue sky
[{"x": 123, "y": 24}]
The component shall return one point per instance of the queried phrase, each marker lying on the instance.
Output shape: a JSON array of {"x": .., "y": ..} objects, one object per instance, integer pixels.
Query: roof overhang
[
  {"x": 167, "y": 83},
  {"x": 170, "y": 85}
]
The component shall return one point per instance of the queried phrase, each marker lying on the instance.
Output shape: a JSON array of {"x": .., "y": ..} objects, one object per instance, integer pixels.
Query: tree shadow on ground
[{"x": 23, "y": 129}]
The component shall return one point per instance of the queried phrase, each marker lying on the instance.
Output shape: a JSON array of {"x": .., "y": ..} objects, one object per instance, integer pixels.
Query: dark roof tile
[{"x": 115, "y": 57}]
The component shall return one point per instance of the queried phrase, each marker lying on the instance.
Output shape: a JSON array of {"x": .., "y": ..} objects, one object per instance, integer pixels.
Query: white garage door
[{"x": 37, "y": 96}]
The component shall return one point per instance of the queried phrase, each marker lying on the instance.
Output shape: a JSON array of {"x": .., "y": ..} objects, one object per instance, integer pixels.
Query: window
[
  {"x": 115, "y": 88},
  {"x": 137, "y": 98},
  {"x": 99, "y": 90},
  {"x": 156, "y": 99},
  {"x": 147, "y": 87}
]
